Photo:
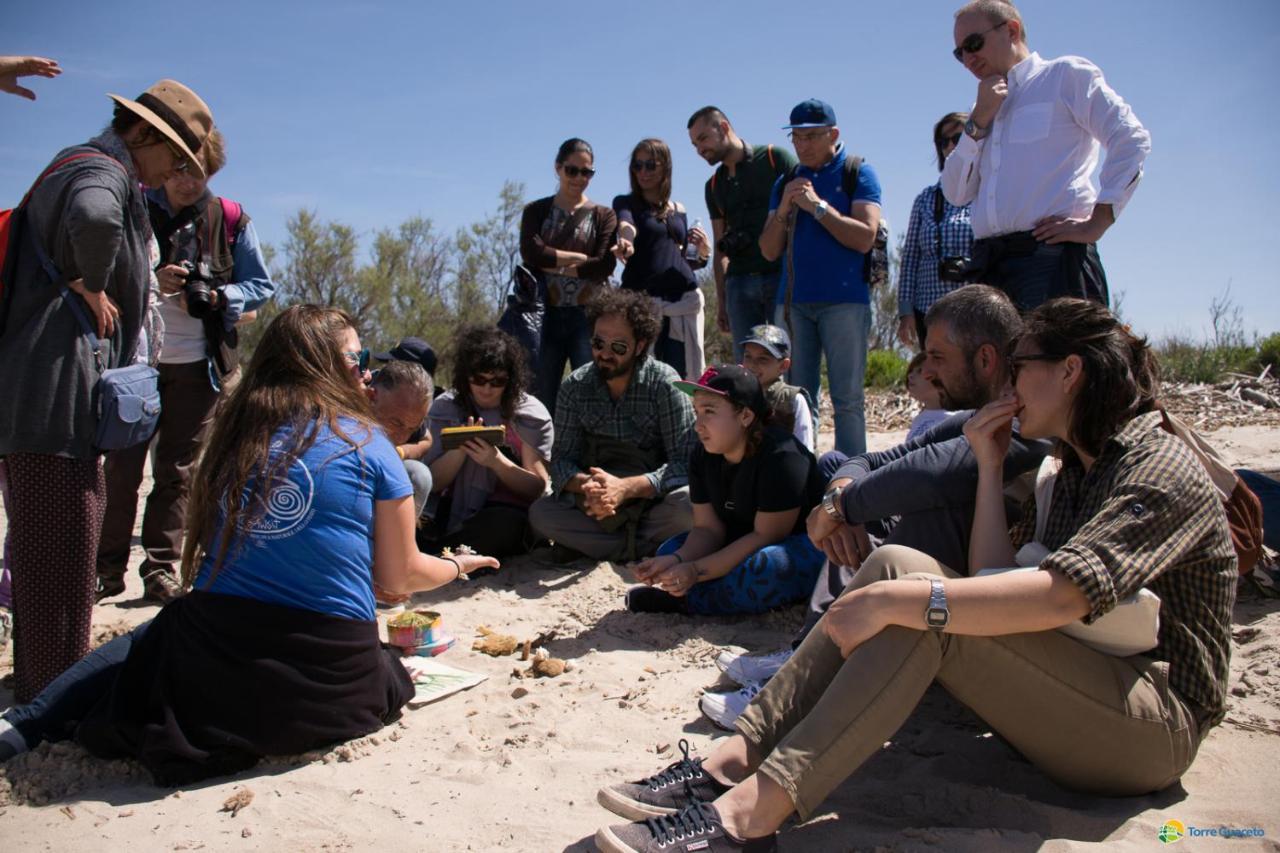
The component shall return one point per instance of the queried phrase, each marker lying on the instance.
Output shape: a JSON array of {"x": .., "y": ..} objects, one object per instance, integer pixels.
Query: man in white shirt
[{"x": 1024, "y": 162}]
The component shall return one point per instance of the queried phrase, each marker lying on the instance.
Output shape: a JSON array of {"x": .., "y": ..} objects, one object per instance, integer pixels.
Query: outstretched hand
[{"x": 13, "y": 67}]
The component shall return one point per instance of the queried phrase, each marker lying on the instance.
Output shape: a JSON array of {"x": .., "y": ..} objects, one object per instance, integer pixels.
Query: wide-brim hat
[
  {"x": 733, "y": 382},
  {"x": 178, "y": 113}
]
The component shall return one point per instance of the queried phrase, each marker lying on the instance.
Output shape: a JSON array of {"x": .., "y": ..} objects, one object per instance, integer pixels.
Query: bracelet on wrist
[{"x": 456, "y": 565}]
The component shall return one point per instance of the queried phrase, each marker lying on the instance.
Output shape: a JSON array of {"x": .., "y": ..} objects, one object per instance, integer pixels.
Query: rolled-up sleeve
[{"x": 566, "y": 450}]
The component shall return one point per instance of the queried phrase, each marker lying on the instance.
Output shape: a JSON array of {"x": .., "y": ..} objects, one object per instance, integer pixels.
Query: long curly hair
[
  {"x": 487, "y": 349},
  {"x": 299, "y": 378}
]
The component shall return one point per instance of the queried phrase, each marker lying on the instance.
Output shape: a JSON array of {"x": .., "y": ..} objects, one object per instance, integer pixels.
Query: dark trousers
[
  {"x": 67, "y": 699},
  {"x": 496, "y": 530},
  {"x": 669, "y": 351},
  {"x": 55, "y": 517},
  {"x": 1031, "y": 273},
  {"x": 187, "y": 400},
  {"x": 565, "y": 337}
]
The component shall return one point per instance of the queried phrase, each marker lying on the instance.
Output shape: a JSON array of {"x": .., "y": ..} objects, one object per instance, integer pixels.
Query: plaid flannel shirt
[
  {"x": 1146, "y": 515},
  {"x": 651, "y": 413},
  {"x": 919, "y": 285}
]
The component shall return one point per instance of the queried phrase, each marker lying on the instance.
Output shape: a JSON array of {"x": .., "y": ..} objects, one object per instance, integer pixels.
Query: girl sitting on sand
[
  {"x": 300, "y": 508},
  {"x": 751, "y": 490},
  {"x": 1130, "y": 509}
]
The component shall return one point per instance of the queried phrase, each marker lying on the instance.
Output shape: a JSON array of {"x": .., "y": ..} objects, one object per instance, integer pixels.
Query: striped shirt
[
  {"x": 1146, "y": 515},
  {"x": 918, "y": 283}
]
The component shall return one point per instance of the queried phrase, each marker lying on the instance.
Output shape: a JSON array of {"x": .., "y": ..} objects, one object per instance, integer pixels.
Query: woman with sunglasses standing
[
  {"x": 939, "y": 241},
  {"x": 566, "y": 238},
  {"x": 1121, "y": 507},
  {"x": 486, "y": 489},
  {"x": 655, "y": 241}
]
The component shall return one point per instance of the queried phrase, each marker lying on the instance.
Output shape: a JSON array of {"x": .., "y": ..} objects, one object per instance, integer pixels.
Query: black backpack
[{"x": 875, "y": 271}]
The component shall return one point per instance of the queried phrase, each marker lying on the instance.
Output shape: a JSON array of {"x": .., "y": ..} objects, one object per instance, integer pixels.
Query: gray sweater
[{"x": 90, "y": 218}]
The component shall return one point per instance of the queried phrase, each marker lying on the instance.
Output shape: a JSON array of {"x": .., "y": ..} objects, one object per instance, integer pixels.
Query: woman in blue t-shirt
[
  {"x": 301, "y": 510},
  {"x": 751, "y": 490}
]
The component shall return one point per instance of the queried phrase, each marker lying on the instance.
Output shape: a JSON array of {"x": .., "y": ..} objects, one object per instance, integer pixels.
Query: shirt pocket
[{"x": 1030, "y": 123}]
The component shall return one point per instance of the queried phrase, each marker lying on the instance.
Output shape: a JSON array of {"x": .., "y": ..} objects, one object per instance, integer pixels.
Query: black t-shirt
[
  {"x": 781, "y": 475},
  {"x": 658, "y": 266}
]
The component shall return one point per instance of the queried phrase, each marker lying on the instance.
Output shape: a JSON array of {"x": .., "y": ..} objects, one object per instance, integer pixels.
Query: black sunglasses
[
  {"x": 1017, "y": 362},
  {"x": 974, "y": 42},
  {"x": 490, "y": 382},
  {"x": 619, "y": 347},
  {"x": 644, "y": 165},
  {"x": 576, "y": 171},
  {"x": 953, "y": 139}
]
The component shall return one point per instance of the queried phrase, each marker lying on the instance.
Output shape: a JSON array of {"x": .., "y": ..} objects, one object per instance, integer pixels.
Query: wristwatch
[
  {"x": 831, "y": 503},
  {"x": 974, "y": 131},
  {"x": 936, "y": 615},
  {"x": 820, "y": 210}
]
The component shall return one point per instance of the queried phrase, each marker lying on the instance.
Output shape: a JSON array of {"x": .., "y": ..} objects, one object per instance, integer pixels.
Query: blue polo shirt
[{"x": 825, "y": 270}]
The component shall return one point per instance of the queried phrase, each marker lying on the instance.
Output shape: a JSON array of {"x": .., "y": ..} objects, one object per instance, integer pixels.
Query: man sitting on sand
[{"x": 620, "y": 461}]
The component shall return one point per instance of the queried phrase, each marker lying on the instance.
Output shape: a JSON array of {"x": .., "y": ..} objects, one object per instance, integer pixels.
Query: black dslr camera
[
  {"x": 185, "y": 243},
  {"x": 956, "y": 268},
  {"x": 735, "y": 242}
]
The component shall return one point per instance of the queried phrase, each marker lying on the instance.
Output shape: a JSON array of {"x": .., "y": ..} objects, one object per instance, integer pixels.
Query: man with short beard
[
  {"x": 920, "y": 493},
  {"x": 619, "y": 464}
]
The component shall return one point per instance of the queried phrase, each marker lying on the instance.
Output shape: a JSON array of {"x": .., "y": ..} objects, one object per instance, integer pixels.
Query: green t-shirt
[{"x": 742, "y": 201}]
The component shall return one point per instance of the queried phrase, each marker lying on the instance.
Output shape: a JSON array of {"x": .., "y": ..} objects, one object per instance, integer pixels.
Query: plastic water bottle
[{"x": 690, "y": 250}]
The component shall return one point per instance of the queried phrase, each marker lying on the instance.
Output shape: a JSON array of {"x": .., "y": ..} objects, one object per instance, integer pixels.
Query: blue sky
[{"x": 374, "y": 112}]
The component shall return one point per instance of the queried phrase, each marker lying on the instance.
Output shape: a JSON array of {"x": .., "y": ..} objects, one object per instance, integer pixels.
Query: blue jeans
[
  {"x": 54, "y": 714},
  {"x": 776, "y": 575},
  {"x": 840, "y": 331},
  {"x": 565, "y": 337},
  {"x": 749, "y": 300}
]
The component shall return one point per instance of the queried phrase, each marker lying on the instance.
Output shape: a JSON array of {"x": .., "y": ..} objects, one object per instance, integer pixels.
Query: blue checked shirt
[
  {"x": 652, "y": 413},
  {"x": 918, "y": 282}
]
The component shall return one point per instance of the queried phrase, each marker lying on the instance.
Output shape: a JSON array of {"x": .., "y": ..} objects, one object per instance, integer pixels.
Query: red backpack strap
[{"x": 231, "y": 212}]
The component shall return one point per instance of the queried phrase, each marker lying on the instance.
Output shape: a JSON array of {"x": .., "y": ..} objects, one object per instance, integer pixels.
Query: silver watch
[
  {"x": 820, "y": 210},
  {"x": 936, "y": 615},
  {"x": 974, "y": 131},
  {"x": 831, "y": 503}
]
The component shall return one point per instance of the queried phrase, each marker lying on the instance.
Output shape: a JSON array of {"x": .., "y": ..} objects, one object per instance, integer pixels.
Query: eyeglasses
[
  {"x": 811, "y": 136},
  {"x": 619, "y": 347},
  {"x": 489, "y": 381},
  {"x": 974, "y": 42},
  {"x": 357, "y": 358},
  {"x": 644, "y": 165},
  {"x": 953, "y": 139},
  {"x": 1017, "y": 362},
  {"x": 579, "y": 171}
]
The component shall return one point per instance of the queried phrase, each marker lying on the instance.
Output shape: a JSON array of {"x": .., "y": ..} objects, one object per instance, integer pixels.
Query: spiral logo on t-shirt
[{"x": 288, "y": 506}]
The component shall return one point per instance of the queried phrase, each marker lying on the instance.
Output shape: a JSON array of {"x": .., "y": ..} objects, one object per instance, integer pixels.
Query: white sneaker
[
  {"x": 724, "y": 708},
  {"x": 745, "y": 669}
]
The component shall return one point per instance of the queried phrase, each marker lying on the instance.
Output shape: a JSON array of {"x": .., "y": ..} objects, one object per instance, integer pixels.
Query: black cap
[
  {"x": 812, "y": 113},
  {"x": 774, "y": 339},
  {"x": 733, "y": 382},
  {"x": 411, "y": 349}
]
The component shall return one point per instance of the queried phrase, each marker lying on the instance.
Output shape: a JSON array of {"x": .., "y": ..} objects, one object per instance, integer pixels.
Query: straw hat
[{"x": 178, "y": 113}]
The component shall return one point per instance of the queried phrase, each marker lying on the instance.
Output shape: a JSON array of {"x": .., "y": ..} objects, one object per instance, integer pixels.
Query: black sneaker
[
  {"x": 160, "y": 587},
  {"x": 664, "y": 793},
  {"x": 650, "y": 599},
  {"x": 694, "y": 828},
  {"x": 109, "y": 586}
]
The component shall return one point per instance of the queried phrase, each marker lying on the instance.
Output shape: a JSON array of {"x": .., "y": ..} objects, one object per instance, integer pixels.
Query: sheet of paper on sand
[{"x": 433, "y": 680}]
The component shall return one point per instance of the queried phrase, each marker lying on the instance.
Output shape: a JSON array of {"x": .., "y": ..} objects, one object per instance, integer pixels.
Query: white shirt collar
[{"x": 1026, "y": 69}]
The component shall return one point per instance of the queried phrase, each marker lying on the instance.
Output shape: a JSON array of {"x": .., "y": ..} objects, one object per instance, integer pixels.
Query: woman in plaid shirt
[{"x": 1131, "y": 509}]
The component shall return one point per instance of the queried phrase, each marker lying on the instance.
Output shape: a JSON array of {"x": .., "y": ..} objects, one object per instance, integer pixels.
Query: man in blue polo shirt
[{"x": 824, "y": 234}]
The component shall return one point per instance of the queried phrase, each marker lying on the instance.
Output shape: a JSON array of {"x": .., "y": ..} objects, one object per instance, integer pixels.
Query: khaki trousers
[
  {"x": 556, "y": 517},
  {"x": 1089, "y": 721}
]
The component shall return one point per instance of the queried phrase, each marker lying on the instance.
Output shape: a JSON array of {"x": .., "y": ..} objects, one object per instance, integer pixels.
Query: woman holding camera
[
  {"x": 212, "y": 271},
  {"x": 486, "y": 488},
  {"x": 655, "y": 242},
  {"x": 939, "y": 241},
  {"x": 301, "y": 516},
  {"x": 566, "y": 238}
]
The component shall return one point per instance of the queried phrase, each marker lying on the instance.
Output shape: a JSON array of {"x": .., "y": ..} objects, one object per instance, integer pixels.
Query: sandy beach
[{"x": 514, "y": 763}]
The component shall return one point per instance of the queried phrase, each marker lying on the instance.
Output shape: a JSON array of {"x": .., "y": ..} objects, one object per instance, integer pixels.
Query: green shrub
[
  {"x": 1269, "y": 353},
  {"x": 1184, "y": 360},
  {"x": 885, "y": 369}
]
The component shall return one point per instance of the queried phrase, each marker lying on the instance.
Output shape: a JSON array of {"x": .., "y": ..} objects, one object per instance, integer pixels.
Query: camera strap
[{"x": 937, "y": 218}]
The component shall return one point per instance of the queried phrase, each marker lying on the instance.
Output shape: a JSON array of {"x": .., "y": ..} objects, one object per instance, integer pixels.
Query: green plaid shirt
[
  {"x": 1146, "y": 515},
  {"x": 651, "y": 414}
]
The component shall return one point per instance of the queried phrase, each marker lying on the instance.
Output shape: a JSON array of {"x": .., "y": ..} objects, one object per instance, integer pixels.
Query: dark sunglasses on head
[
  {"x": 974, "y": 42},
  {"x": 619, "y": 347},
  {"x": 644, "y": 165},
  {"x": 490, "y": 381},
  {"x": 576, "y": 171},
  {"x": 357, "y": 358},
  {"x": 1017, "y": 362},
  {"x": 953, "y": 139}
]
